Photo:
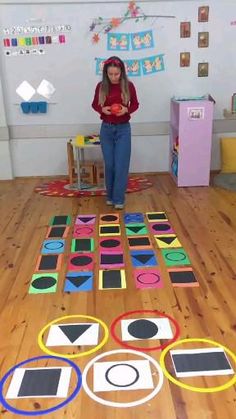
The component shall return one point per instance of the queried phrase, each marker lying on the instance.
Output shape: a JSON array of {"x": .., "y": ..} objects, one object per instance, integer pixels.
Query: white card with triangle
[{"x": 73, "y": 334}]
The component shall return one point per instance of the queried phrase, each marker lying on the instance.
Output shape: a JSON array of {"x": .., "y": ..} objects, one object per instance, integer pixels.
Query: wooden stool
[
  {"x": 99, "y": 173},
  {"x": 87, "y": 172}
]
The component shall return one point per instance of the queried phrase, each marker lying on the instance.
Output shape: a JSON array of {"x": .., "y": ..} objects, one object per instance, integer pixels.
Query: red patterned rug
[{"x": 64, "y": 189}]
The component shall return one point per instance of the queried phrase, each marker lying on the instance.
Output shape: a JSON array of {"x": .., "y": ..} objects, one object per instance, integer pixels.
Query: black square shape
[
  {"x": 111, "y": 279},
  {"x": 40, "y": 382},
  {"x": 109, "y": 258},
  {"x": 48, "y": 262},
  {"x": 60, "y": 220},
  {"x": 57, "y": 232},
  {"x": 109, "y": 229},
  {"x": 82, "y": 245},
  {"x": 182, "y": 277},
  {"x": 139, "y": 241}
]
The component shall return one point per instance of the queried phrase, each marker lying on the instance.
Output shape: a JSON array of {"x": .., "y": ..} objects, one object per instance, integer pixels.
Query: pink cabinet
[{"x": 190, "y": 141}]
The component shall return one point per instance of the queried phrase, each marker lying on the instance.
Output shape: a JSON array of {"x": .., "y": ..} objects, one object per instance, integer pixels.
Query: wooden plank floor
[{"x": 205, "y": 222}]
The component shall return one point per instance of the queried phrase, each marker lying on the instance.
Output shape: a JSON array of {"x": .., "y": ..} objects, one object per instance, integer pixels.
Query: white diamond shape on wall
[
  {"x": 25, "y": 90},
  {"x": 46, "y": 89}
]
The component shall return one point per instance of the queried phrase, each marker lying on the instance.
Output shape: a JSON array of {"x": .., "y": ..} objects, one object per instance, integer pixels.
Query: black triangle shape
[
  {"x": 167, "y": 240},
  {"x": 77, "y": 281},
  {"x": 143, "y": 258},
  {"x": 74, "y": 331},
  {"x": 135, "y": 229},
  {"x": 86, "y": 219}
]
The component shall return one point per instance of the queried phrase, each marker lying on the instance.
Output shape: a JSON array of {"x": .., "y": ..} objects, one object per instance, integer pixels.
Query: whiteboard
[{"x": 71, "y": 67}]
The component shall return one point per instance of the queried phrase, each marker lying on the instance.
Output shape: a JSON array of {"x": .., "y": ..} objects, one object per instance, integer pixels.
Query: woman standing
[{"x": 115, "y": 99}]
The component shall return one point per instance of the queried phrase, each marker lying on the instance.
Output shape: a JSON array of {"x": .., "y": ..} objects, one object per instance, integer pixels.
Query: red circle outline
[{"x": 154, "y": 348}]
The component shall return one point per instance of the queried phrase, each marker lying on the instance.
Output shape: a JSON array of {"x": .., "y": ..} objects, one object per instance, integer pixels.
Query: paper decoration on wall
[
  {"x": 25, "y": 90},
  {"x": 60, "y": 220},
  {"x": 73, "y": 334},
  {"x": 109, "y": 218},
  {"x": 175, "y": 257},
  {"x": 82, "y": 245},
  {"x": 118, "y": 41},
  {"x": 167, "y": 241},
  {"x": 49, "y": 263},
  {"x": 156, "y": 216},
  {"x": 39, "y": 382},
  {"x": 78, "y": 281},
  {"x": 136, "y": 229},
  {"x": 142, "y": 242},
  {"x": 43, "y": 283},
  {"x": 200, "y": 362},
  {"x": 81, "y": 262},
  {"x": 203, "y": 69},
  {"x": 146, "y": 329},
  {"x": 28, "y": 29},
  {"x": 46, "y": 89},
  {"x": 109, "y": 230},
  {"x": 60, "y": 232},
  {"x": 184, "y": 59},
  {"x": 125, "y": 41},
  {"x": 161, "y": 228},
  {"x": 203, "y": 14},
  {"x": 112, "y": 279},
  {"x": 85, "y": 219},
  {"x": 83, "y": 231},
  {"x": 147, "y": 278},
  {"x": 133, "y": 217},
  {"x": 102, "y": 25},
  {"x": 53, "y": 246},
  {"x": 203, "y": 39},
  {"x": 183, "y": 277},
  {"x": 122, "y": 375},
  {"x": 110, "y": 243},
  {"x": 24, "y": 51},
  {"x": 110, "y": 260},
  {"x": 141, "y": 40},
  {"x": 143, "y": 258},
  {"x": 136, "y": 67},
  {"x": 185, "y": 29}
]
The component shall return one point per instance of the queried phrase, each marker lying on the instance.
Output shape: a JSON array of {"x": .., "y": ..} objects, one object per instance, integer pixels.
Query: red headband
[{"x": 112, "y": 61}]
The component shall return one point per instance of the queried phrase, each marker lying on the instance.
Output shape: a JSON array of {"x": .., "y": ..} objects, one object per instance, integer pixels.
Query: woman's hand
[
  {"x": 106, "y": 110},
  {"x": 123, "y": 111}
]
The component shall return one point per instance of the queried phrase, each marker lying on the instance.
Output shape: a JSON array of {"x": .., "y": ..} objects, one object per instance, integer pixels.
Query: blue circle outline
[{"x": 51, "y": 409}]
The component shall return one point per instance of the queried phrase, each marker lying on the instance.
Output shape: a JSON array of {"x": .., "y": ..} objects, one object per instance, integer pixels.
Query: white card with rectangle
[
  {"x": 73, "y": 334},
  {"x": 162, "y": 324},
  {"x": 18, "y": 375},
  {"x": 126, "y": 375},
  {"x": 196, "y": 371}
]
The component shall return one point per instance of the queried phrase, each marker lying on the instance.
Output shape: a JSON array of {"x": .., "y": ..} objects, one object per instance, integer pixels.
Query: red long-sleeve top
[{"x": 114, "y": 96}]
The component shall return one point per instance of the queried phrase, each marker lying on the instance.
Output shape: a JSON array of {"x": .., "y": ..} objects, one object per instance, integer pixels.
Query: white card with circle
[{"x": 122, "y": 375}]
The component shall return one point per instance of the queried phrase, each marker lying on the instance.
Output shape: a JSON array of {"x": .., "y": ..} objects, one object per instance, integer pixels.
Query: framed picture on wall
[
  {"x": 185, "y": 29},
  {"x": 203, "y": 14},
  {"x": 184, "y": 59},
  {"x": 203, "y": 39},
  {"x": 203, "y": 69}
]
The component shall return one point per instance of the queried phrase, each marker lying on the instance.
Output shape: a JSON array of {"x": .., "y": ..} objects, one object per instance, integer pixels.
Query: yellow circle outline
[
  {"x": 187, "y": 386},
  {"x": 72, "y": 356}
]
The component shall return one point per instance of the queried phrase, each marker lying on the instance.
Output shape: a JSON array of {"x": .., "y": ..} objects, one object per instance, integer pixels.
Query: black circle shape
[
  {"x": 161, "y": 227},
  {"x": 142, "y": 329},
  {"x": 122, "y": 385},
  {"x": 56, "y": 248},
  {"x": 43, "y": 282},
  {"x": 145, "y": 282},
  {"x": 109, "y": 217},
  {"x": 81, "y": 260},
  {"x": 107, "y": 243},
  {"x": 167, "y": 256}
]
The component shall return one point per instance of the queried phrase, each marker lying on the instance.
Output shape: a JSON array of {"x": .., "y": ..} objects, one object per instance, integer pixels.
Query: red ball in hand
[{"x": 116, "y": 108}]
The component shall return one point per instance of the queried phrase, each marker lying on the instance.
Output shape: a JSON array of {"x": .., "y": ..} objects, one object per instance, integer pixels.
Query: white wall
[{"x": 45, "y": 154}]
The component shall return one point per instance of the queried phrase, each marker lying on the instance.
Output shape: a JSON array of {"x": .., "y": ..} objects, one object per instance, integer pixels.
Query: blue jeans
[{"x": 116, "y": 149}]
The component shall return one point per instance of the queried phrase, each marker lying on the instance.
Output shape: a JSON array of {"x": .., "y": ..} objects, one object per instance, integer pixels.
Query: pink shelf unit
[{"x": 190, "y": 141}]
